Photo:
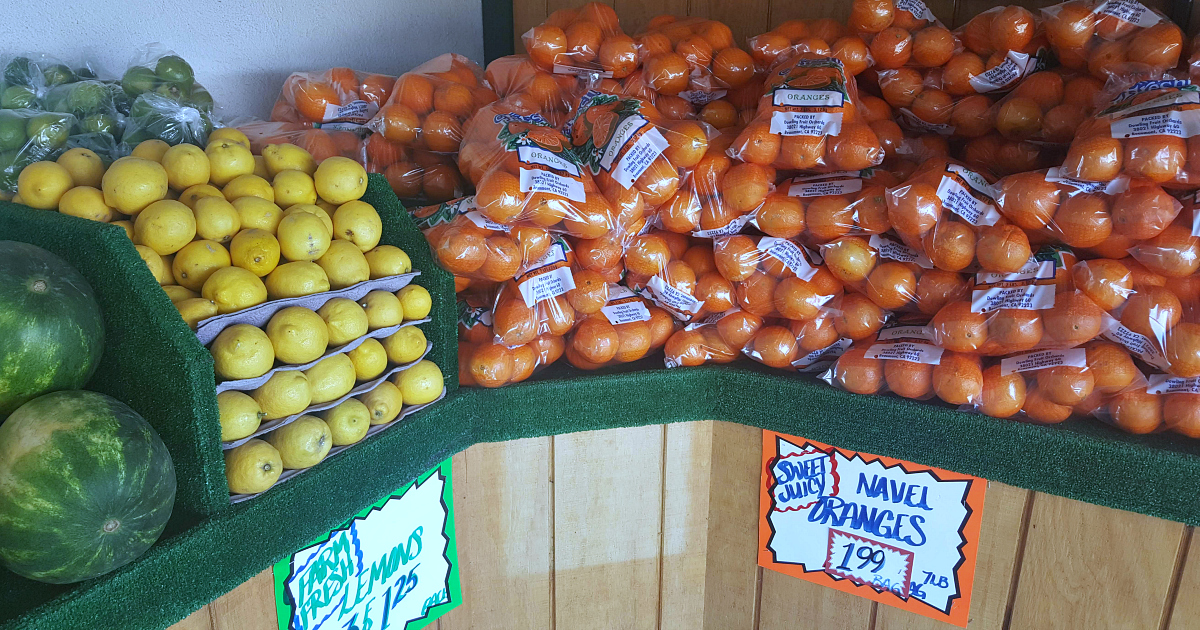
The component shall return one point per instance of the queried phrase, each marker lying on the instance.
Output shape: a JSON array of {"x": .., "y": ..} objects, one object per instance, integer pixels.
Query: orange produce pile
[{"x": 1001, "y": 216}]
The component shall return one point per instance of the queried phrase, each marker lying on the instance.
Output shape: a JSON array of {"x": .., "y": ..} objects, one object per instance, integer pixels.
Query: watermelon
[
  {"x": 86, "y": 486},
  {"x": 51, "y": 328}
]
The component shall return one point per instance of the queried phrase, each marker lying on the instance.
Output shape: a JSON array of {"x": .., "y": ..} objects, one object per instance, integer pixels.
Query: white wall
[{"x": 242, "y": 51}]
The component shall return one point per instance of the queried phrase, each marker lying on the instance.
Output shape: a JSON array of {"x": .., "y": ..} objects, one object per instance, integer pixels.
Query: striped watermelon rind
[
  {"x": 51, "y": 327},
  {"x": 86, "y": 486}
]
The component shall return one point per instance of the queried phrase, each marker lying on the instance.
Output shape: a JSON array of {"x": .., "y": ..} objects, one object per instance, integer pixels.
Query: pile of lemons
[{"x": 220, "y": 228}]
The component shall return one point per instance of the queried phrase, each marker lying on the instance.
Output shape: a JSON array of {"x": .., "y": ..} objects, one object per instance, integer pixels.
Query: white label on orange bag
[
  {"x": 824, "y": 185},
  {"x": 639, "y": 157},
  {"x": 916, "y": 123},
  {"x": 702, "y": 97},
  {"x": 479, "y": 220},
  {"x": 974, "y": 201},
  {"x": 1075, "y": 357},
  {"x": 895, "y": 250},
  {"x": 624, "y": 306},
  {"x": 1138, "y": 344},
  {"x": 1167, "y": 384},
  {"x": 681, "y": 304},
  {"x": 1129, "y": 10},
  {"x": 1196, "y": 221},
  {"x": 729, "y": 229},
  {"x": 916, "y": 8},
  {"x": 538, "y": 155},
  {"x": 582, "y": 71},
  {"x": 537, "y": 180},
  {"x": 818, "y": 360},
  {"x": 1178, "y": 123},
  {"x": 806, "y": 123},
  {"x": 1015, "y": 65},
  {"x": 907, "y": 332},
  {"x": 1031, "y": 288},
  {"x": 906, "y": 351},
  {"x": 790, "y": 254},
  {"x": 1116, "y": 186},
  {"x": 546, "y": 278},
  {"x": 354, "y": 111}
]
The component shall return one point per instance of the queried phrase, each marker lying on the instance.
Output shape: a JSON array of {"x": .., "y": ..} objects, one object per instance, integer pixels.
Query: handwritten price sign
[
  {"x": 393, "y": 566},
  {"x": 888, "y": 530}
]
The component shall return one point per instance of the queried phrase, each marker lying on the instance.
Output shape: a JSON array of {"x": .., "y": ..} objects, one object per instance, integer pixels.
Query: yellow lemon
[
  {"x": 383, "y": 309},
  {"x": 358, "y": 222},
  {"x": 348, "y": 422},
  {"x": 344, "y": 264},
  {"x": 298, "y": 335},
  {"x": 176, "y": 293},
  {"x": 131, "y": 183},
  {"x": 186, "y": 166},
  {"x": 229, "y": 133},
  {"x": 85, "y": 202},
  {"x": 285, "y": 157},
  {"x": 216, "y": 219},
  {"x": 127, "y": 225},
  {"x": 42, "y": 184},
  {"x": 252, "y": 467},
  {"x": 166, "y": 226},
  {"x": 420, "y": 384},
  {"x": 315, "y": 210},
  {"x": 369, "y": 359},
  {"x": 153, "y": 149},
  {"x": 302, "y": 237},
  {"x": 234, "y": 289},
  {"x": 302, "y": 443},
  {"x": 249, "y": 186},
  {"x": 260, "y": 168},
  {"x": 242, "y": 351},
  {"x": 416, "y": 301},
  {"x": 405, "y": 345},
  {"x": 340, "y": 179},
  {"x": 384, "y": 402},
  {"x": 195, "y": 310},
  {"x": 331, "y": 378},
  {"x": 345, "y": 319},
  {"x": 293, "y": 187},
  {"x": 284, "y": 394},
  {"x": 197, "y": 261},
  {"x": 329, "y": 209},
  {"x": 258, "y": 213},
  {"x": 387, "y": 260},
  {"x": 192, "y": 194},
  {"x": 227, "y": 160},
  {"x": 256, "y": 251},
  {"x": 240, "y": 415},
  {"x": 296, "y": 279},
  {"x": 158, "y": 265},
  {"x": 86, "y": 168}
]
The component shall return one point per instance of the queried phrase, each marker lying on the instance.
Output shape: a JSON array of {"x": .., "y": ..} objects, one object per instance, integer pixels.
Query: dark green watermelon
[
  {"x": 51, "y": 328},
  {"x": 86, "y": 486}
]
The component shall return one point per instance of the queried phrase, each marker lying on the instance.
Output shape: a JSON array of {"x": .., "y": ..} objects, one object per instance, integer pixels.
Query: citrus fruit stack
[{"x": 584, "y": 40}]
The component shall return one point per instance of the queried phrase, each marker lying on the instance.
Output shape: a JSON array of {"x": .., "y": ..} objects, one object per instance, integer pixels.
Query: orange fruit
[
  {"x": 797, "y": 299},
  {"x": 907, "y": 379},
  {"x": 850, "y": 258},
  {"x": 525, "y": 361},
  {"x": 700, "y": 258},
  {"x": 855, "y": 373},
  {"x": 854, "y": 148},
  {"x": 972, "y": 116},
  {"x": 618, "y": 54},
  {"x": 1019, "y": 118},
  {"x": 1081, "y": 91},
  {"x": 454, "y": 98},
  {"x": 958, "y": 379},
  {"x": 800, "y": 152},
  {"x": 583, "y": 41},
  {"x": 441, "y": 132},
  {"x": 1003, "y": 395},
  {"x": 914, "y": 211},
  {"x": 601, "y": 14},
  {"x": 1083, "y": 220},
  {"x": 1013, "y": 330},
  {"x": 933, "y": 106},
  {"x": 827, "y": 29},
  {"x": 871, "y": 16},
  {"x": 774, "y": 346},
  {"x": 556, "y": 315},
  {"x": 667, "y": 73},
  {"x": 1028, "y": 200},
  {"x": 1111, "y": 366},
  {"x": 591, "y": 219},
  {"x": 733, "y": 66},
  {"x": 400, "y": 123},
  {"x": 1094, "y": 158},
  {"x": 1174, "y": 253},
  {"x": 1143, "y": 212},
  {"x": 856, "y": 316},
  {"x": 715, "y": 291},
  {"x": 549, "y": 348},
  {"x": 854, "y": 54},
  {"x": 738, "y": 328},
  {"x": 1072, "y": 26},
  {"x": 793, "y": 29},
  {"x": 719, "y": 113},
  {"x": 1181, "y": 413},
  {"x": 596, "y": 340},
  {"x": 681, "y": 213},
  {"x": 757, "y": 145},
  {"x": 890, "y": 136},
  {"x": 312, "y": 98},
  {"x": 442, "y": 182},
  {"x": 768, "y": 47},
  {"x": 633, "y": 341},
  {"x": 745, "y": 186},
  {"x": 1183, "y": 349},
  {"x": 1065, "y": 384},
  {"x": 534, "y": 242},
  {"x": 814, "y": 334},
  {"x": 1061, "y": 122},
  {"x": 696, "y": 50},
  {"x": 1108, "y": 283},
  {"x": 1136, "y": 411},
  {"x": 1157, "y": 46},
  {"x": 936, "y": 288},
  {"x": 1152, "y": 311},
  {"x": 873, "y": 108},
  {"x": 892, "y": 285},
  {"x": 376, "y": 88},
  {"x": 900, "y": 86},
  {"x": 950, "y": 245},
  {"x": 687, "y": 143},
  {"x": 462, "y": 252},
  {"x": 647, "y": 255},
  {"x": 958, "y": 329},
  {"x": 1074, "y": 320},
  {"x": 513, "y": 322},
  {"x": 781, "y": 216},
  {"x": 544, "y": 43},
  {"x": 977, "y": 34},
  {"x": 654, "y": 43},
  {"x": 1039, "y": 408},
  {"x": 891, "y": 48},
  {"x": 1045, "y": 88},
  {"x": 686, "y": 348},
  {"x": 1002, "y": 248},
  {"x": 756, "y": 294},
  {"x": 503, "y": 259},
  {"x": 1156, "y": 158},
  {"x": 736, "y": 257},
  {"x": 958, "y": 72},
  {"x": 405, "y": 179},
  {"x": 829, "y": 217},
  {"x": 933, "y": 46},
  {"x": 1012, "y": 28},
  {"x": 590, "y": 292},
  {"x": 499, "y": 197},
  {"x": 491, "y": 365},
  {"x": 662, "y": 326}
]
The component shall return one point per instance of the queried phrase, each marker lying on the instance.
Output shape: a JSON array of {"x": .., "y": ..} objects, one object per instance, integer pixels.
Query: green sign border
[{"x": 283, "y": 569}]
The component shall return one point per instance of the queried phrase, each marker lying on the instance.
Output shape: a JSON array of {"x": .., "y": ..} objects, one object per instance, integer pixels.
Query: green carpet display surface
[{"x": 154, "y": 363}]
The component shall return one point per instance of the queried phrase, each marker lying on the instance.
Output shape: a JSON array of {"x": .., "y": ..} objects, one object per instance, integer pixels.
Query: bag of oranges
[
  {"x": 470, "y": 246},
  {"x": 774, "y": 277},
  {"x": 1099, "y": 36},
  {"x": 623, "y": 327},
  {"x": 717, "y": 338},
  {"x": 808, "y": 121},
  {"x": 321, "y": 143},
  {"x": 892, "y": 275},
  {"x": 657, "y": 267},
  {"x": 905, "y": 360},
  {"x": 484, "y": 363},
  {"x": 1163, "y": 403},
  {"x": 692, "y": 58},
  {"x": 1046, "y": 107},
  {"x": 584, "y": 41},
  {"x": 816, "y": 36},
  {"x": 535, "y": 303},
  {"x": 525, "y": 87},
  {"x": 338, "y": 96},
  {"x": 429, "y": 104}
]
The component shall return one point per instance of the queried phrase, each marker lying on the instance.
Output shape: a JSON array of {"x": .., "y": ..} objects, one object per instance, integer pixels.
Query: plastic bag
[
  {"x": 774, "y": 277},
  {"x": 1166, "y": 402},
  {"x": 807, "y": 121},
  {"x": 796, "y": 36},
  {"x": 891, "y": 275},
  {"x": 321, "y": 143},
  {"x": 1098, "y": 36},
  {"x": 717, "y": 338},
  {"x": 519, "y": 82},
  {"x": 166, "y": 102},
  {"x": 535, "y": 303},
  {"x": 469, "y": 246},
  {"x": 626, "y": 328},
  {"x": 583, "y": 41},
  {"x": 656, "y": 267},
  {"x": 429, "y": 104},
  {"x": 692, "y": 58},
  {"x": 485, "y": 363},
  {"x": 336, "y": 96}
]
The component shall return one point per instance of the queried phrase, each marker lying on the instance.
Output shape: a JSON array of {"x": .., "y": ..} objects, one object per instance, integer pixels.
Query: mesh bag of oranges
[
  {"x": 1147, "y": 131},
  {"x": 583, "y": 41},
  {"x": 808, "y": 120},
  {"x": 429, "y": 104},
  {"x": 821, "y": 36},
  {"x": 625, "y": 327},
  {"x": 1098, "y": 36},
  {"x": 525, "y": 87},
  {"x": 334, "y": 96},
  {"x": 692, "y": 58}
]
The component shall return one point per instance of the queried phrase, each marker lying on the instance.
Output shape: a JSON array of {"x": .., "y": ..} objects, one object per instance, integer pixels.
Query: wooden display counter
[{"x": 657, "y": 527}]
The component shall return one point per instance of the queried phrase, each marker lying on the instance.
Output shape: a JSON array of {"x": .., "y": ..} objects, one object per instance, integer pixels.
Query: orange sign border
[{"x": 960, "y": 607}]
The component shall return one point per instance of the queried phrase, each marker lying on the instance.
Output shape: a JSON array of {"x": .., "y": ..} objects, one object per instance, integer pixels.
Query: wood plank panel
[
  {"x": 607, "y": 528},
  {"x": 526, "y": 15},
  {"x": 635, "y": 14},
  {"x": 251, "y": 605},
  {"x": 1087, "y": 566},
  {"x": 199, "y": 620},
  {"x": 1004, "y": 514},
  {"x": 787, "y": 600},
  {"x": 687, "y": 483},
  {"x": 503, "y": 518},
  {"x": 732, "y": 576},
  {"x": 745, "y": 18},
  {"x": 1186, "y": 613}
]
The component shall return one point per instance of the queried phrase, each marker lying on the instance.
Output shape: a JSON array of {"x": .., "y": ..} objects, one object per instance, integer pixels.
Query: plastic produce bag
[
  {"x": 583, "y": 41},
  {"x": 519, "y": 81},
  {"x": 340, "y": 96},
  {"x": 692, "y": 58},
  {"x": 485, "y": 363},
  {"x": 428, "y": 105},
  {"x": 625, "y": 328},
  {"x": 718, "y": 338},
  {"x": 774, "y": 277},
  {"x": 28, "y": 136},
  {"x": 166, "y": 102},
  {"x": 816, "y": 36},
  {"x": 1098, "y": 36},
  {"x": 470, "y": 246}
]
